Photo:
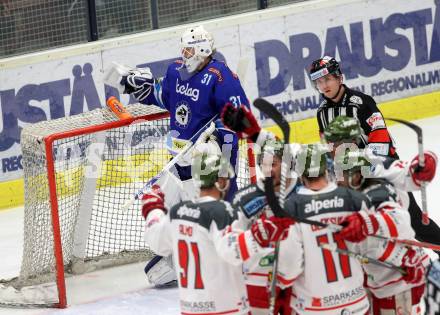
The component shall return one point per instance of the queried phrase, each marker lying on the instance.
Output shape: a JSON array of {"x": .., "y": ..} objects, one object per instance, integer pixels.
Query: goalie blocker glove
[
  {"x": 432, "y": 294},
  {"x": 139, "y": 82},
  {"x": 241, "y": 120}
]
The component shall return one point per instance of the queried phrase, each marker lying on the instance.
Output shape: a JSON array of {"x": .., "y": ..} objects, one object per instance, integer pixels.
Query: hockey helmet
[
  {"x": 342, "y": 129},
  {"x": 272, "y": 146},
  {"x": 352, "y": 160},
  {"x": 209, "y": 164},
  {"x": 323, "y": 66},
  {"x": 196, "y": 45},
  {"x": 311, "y": 160}
]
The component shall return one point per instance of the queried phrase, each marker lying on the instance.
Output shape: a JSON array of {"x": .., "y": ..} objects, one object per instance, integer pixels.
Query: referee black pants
[{"x": 426, "y": 233}]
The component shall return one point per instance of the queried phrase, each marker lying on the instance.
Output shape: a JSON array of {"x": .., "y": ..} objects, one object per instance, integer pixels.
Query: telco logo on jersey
[
  {"x": 186, "y": 90},
  {"x": 316, "y": 205}
]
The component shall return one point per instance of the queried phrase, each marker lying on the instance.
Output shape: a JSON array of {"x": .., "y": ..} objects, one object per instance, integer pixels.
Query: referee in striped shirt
[{"x": 340, "y": 100}]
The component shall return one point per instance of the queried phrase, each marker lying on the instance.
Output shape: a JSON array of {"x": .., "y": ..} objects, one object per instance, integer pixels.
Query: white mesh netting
[{"x": 96, "y": 172}]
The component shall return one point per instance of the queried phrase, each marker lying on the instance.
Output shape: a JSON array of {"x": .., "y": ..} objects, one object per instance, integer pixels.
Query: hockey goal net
[{"x": 78, "y": 173}]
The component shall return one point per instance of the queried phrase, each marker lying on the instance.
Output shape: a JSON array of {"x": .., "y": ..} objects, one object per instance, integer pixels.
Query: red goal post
[{"x": 78, "y": 172}]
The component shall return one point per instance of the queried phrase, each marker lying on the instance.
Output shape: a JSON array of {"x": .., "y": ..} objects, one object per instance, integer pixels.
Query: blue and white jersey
[{"x": 195, "y": 100}]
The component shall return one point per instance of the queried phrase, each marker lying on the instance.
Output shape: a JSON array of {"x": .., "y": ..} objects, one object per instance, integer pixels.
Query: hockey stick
[
  {"x": 361, "y": 258},
  {"x": 419, "y": 132},
  {"x": 170, "y": 164},
  {"x": 336, "y": 227},
  {"x": 269, "y": 110}
]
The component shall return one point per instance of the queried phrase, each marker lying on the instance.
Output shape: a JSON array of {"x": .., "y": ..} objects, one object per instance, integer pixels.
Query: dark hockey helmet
[
  {"x": 342, "y": 129},
  {"x": 311, "y": 160},
  {"x": 323, "y": 66}
]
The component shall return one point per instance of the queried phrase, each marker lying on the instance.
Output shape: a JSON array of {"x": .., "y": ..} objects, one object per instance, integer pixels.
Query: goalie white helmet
[{"x": 196, "y": 45}]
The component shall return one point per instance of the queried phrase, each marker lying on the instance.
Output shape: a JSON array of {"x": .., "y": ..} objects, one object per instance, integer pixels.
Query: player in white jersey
[
  {"x": 251, "y": 201},
  {"x": 209, "y": 252},
  {"x": 391, "y": 293},
  {"x": 344, "y": 132},
  {"x": 323, "y": 282}
]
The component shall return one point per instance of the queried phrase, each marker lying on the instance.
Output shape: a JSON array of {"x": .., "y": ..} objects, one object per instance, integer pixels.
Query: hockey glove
[
  {"x": 357, "y": 226},
  {"x": 426, "y": 173},
  {"x": 139, "y": 82},
  {"x": 241, "y": 120},
  {"x": 153, "y": 200},
  {"x": 266, "y": 231},
  {"x": 413, "y": 266}
]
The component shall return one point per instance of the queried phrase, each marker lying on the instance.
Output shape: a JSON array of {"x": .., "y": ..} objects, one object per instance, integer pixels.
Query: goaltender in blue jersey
[{"x": 194, "y": 90}]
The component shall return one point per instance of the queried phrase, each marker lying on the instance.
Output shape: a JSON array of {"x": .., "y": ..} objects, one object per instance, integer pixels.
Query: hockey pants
[{"x": 405, "y": 303}]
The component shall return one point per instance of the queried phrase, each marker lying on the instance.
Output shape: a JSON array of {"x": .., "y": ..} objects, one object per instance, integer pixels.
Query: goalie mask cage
[{"x": 78, "y": 173}]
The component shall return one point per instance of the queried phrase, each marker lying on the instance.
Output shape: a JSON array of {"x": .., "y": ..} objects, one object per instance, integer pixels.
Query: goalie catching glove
[
  {"x": 139, "y": 82},
  {"x": 266, "y": 231},
  {"x": 241, "y": 120}
]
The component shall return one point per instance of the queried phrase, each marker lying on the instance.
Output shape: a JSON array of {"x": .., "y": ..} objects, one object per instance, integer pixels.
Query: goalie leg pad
[
  {"x": 160, "y": 272},
  {"x": 432, "y": 293}
]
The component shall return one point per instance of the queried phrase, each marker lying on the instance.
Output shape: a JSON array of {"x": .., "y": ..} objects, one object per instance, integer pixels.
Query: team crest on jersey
[
  {"x": 183, "y": 114},
  {"x": 355, "y": 100}
]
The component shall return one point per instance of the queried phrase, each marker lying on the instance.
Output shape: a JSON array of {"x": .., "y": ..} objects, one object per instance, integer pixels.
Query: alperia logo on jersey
[
  {"x": 188, "y": 91},
  {"x": 317, "y": 205},
  {"x": 188, "y": 212}
]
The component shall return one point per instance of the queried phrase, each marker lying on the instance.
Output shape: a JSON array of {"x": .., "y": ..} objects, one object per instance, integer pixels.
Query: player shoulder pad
[
  {"x": 250, "y": 200},
  {"x": 204, "y": 213},
  {"x": 379, "y": 191},
  {"x": 221, "y": 70},
  {"x": 323, "y": 105},
  {"x": 219, "y": 211},
  {"x": 364, "y": 98},
  {"x": 355, "y": 200}
]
